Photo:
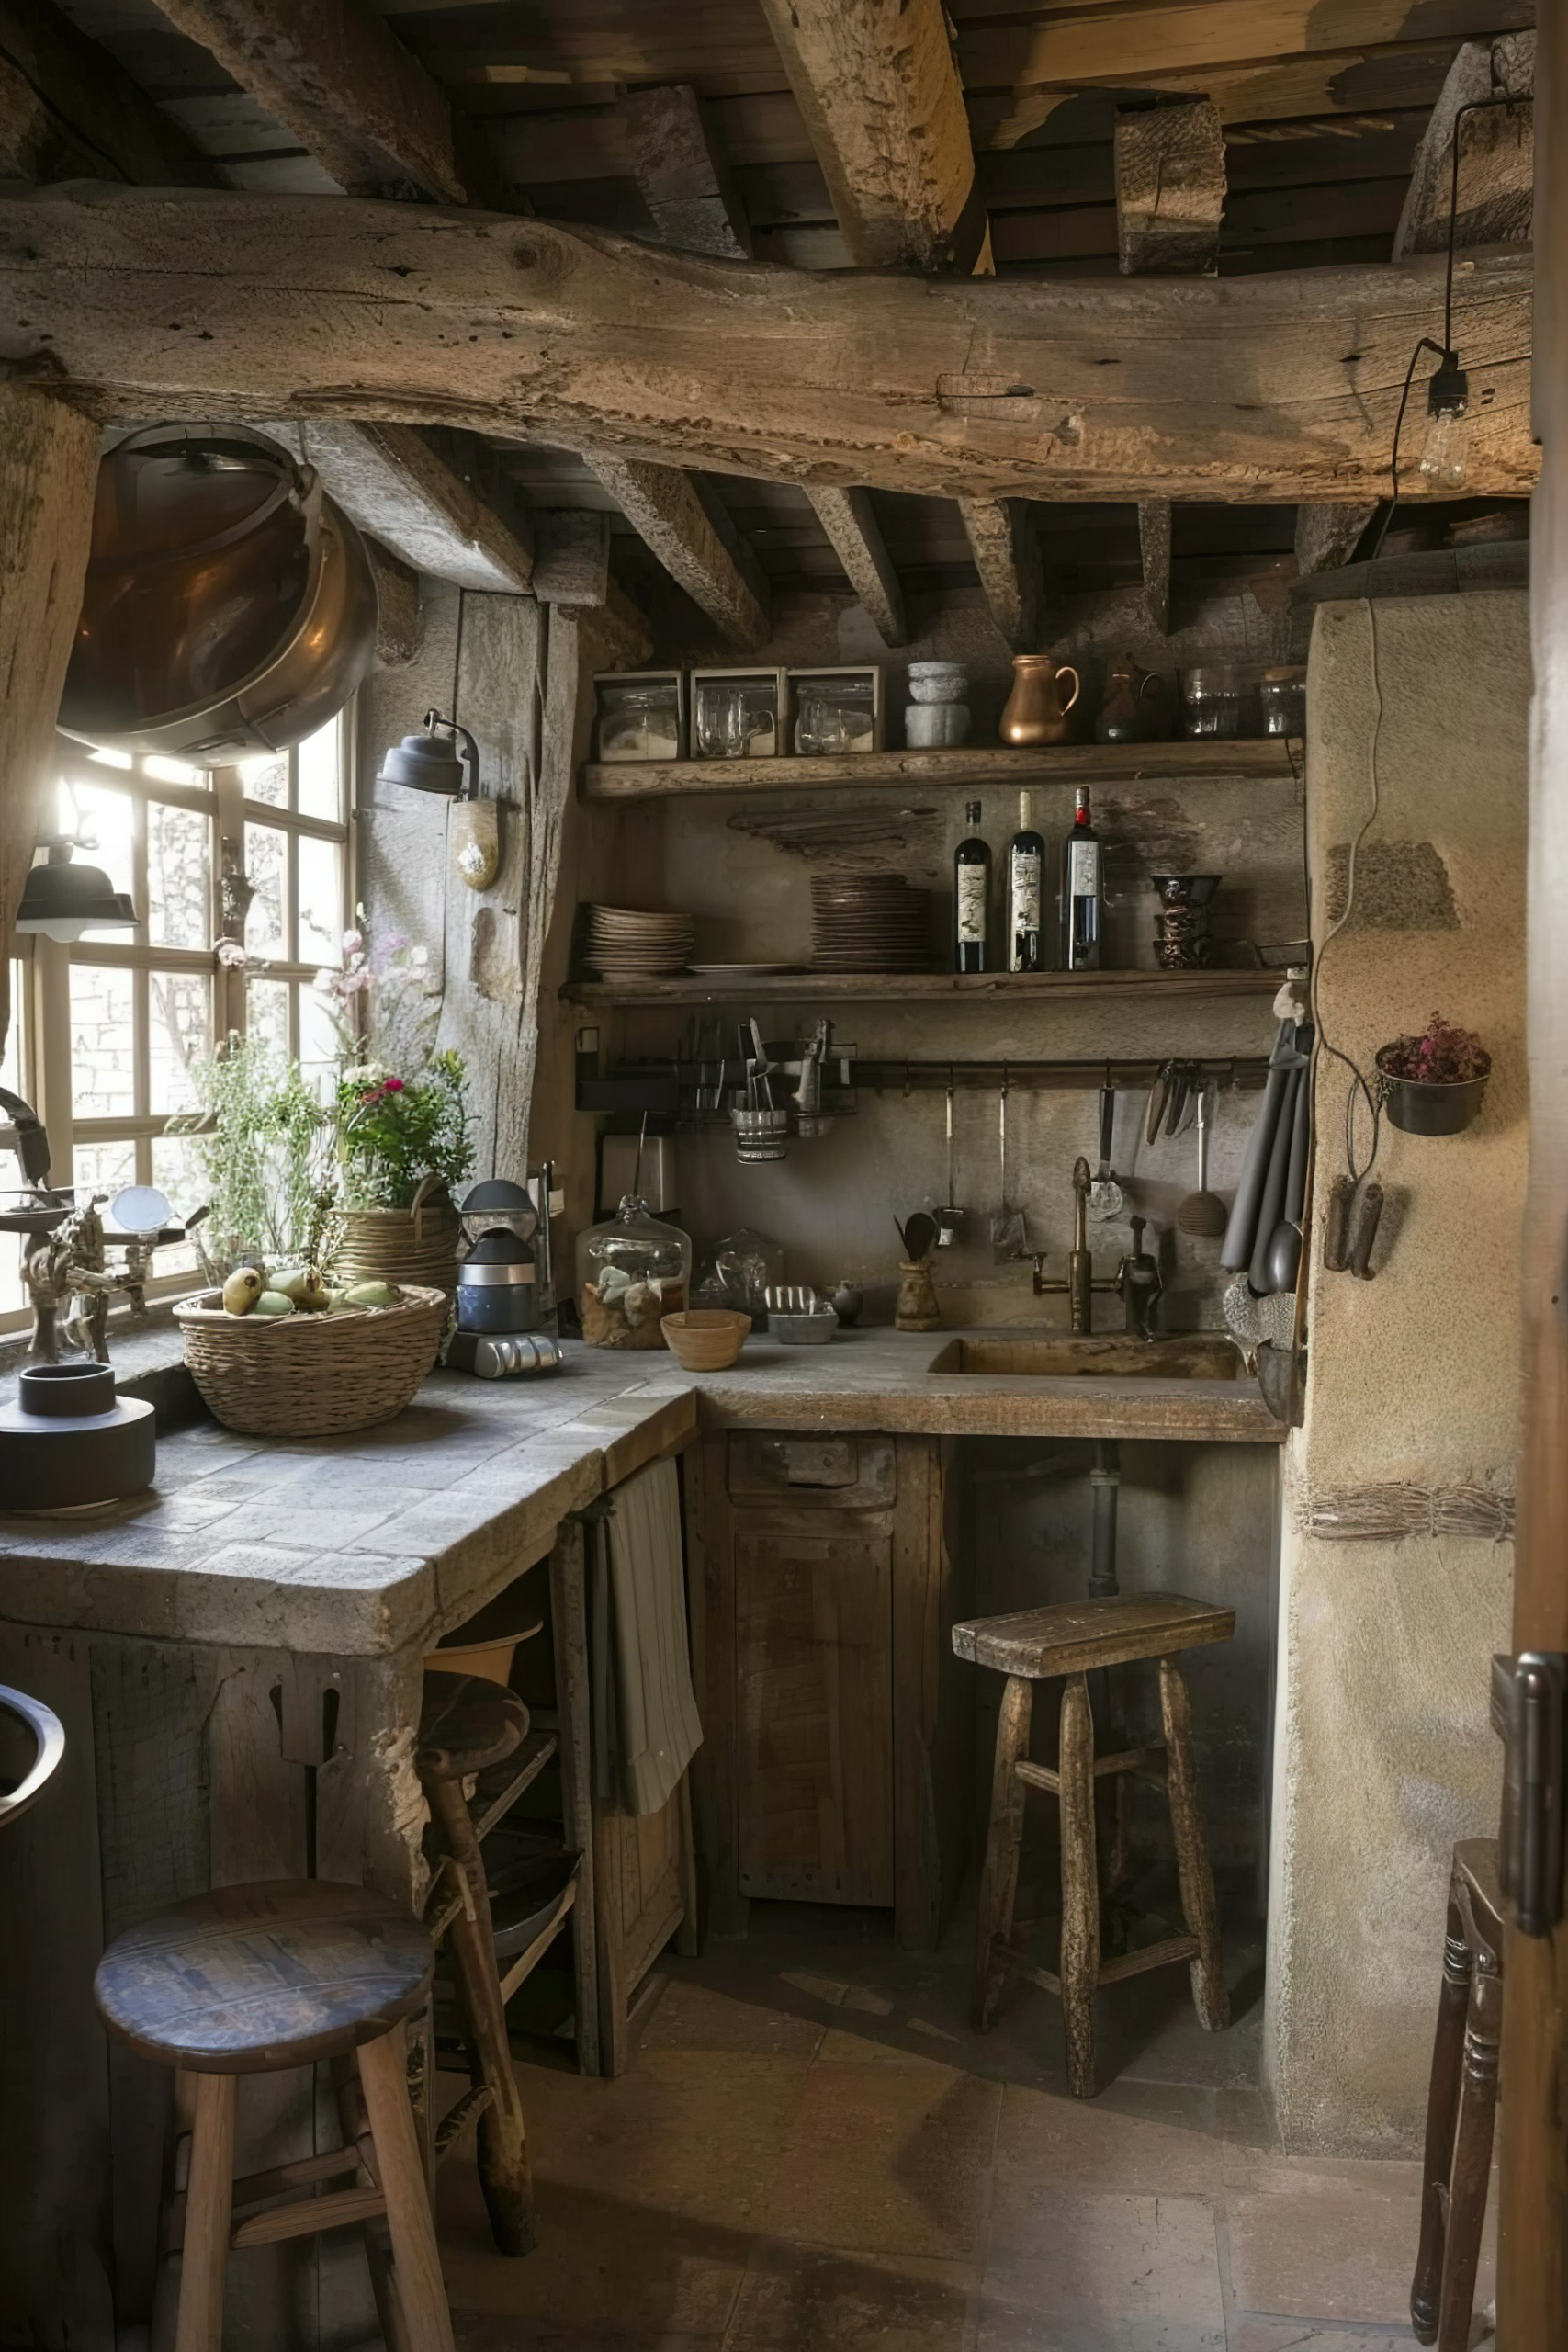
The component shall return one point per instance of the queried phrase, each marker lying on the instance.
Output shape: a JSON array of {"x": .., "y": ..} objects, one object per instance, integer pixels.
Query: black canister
[
  {"x": 67, "y": 1442},
  {"x": 498, "y": 1287}
]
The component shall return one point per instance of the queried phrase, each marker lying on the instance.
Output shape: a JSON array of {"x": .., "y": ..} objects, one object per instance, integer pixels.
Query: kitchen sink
[{"x": 1194, "y": 1355}]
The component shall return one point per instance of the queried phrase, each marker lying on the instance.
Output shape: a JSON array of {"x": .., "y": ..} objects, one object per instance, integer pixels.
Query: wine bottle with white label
[
  {"x": 1026, "y": 877},
  {"x": 1082, "y": 898},
  {"x": 970, "y": 897}
]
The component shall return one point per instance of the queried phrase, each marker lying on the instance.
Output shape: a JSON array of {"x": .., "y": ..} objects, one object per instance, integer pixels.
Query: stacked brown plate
[
  {"x": 637, "y": 943},
  {"x": 869, "y": 922}
]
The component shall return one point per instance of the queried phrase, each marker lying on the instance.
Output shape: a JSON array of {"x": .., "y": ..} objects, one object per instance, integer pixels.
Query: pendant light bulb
[{"x": 1445, "y": 453}]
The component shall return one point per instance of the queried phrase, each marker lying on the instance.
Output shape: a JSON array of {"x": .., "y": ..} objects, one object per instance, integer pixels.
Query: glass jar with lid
[
  {"x": 1281, "y": 699},
  {"x": 739, "y": 1273},
  {"x": 631, "y": 1269},
  {"x": 1210, "y": 701}
]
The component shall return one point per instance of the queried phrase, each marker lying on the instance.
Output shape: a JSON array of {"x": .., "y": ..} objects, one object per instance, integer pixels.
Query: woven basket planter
[
  {"x": 413, "y": 1245},
  {"x": 310, "y": 1375}
]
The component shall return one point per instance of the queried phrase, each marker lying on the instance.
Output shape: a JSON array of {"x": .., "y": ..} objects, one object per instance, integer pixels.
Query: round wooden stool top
[
  {"x": 466, "y": 1725},
  {"x": 251, "y": 1978}
]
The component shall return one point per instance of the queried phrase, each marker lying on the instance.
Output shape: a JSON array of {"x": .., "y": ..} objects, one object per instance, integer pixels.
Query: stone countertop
[{"x": 360, "y": 1546}]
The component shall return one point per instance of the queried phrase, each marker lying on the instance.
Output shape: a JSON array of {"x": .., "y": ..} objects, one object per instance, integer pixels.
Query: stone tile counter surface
[{"x": 359, "y": 1547}]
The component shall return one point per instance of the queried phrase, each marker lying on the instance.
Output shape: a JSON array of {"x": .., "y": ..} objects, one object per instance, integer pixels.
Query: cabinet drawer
[{"x": 851, "y": 1473}]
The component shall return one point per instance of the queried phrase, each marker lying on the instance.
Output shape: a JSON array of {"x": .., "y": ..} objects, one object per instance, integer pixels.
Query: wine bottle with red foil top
[
  {"x": 972, "y": 898},
  {"x": 1082, "y": 894}
]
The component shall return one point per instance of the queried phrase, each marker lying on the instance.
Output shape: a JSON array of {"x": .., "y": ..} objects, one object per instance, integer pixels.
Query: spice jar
[
  {"x": 631, "y": 1269},
  {"x": 1210, "y": 702},
  {"x": 1281, "y": 698}
]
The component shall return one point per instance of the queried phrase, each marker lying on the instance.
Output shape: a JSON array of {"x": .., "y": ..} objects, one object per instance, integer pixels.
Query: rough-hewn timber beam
[
  {"x": 1326, "y": 536},
  {"x": 1496, "y": 161},
  {"x": 1171, "y": 188},
  {"x": 399, "y": 621},
  {"x": 1266, "y": 386},
  {"x": 855, "y": 536},
  {"x": 687, "y": 528},
  {"x": 1153, "y": 554},
  {"x": 884, "y": 109},
  {"x": 68, "y": 108},
  {"x": 1006, "y": 548},
  {"x": 342, "y": 82},
  {"x": 572, "y": 568},
  {"x": 433, "y": 498},
  {"x": 682, "y": 175}
]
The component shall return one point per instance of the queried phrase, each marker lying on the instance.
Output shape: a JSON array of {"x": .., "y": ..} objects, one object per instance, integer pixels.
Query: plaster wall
[{"x": 1382, "y": 1752}]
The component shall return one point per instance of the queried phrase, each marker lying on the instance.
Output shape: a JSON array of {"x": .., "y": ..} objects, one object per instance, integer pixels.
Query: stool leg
[
  {"x": 503, "y": 2139},
  {"x": 383, "y": 2072},
  {"x": 209, "y": 2204},
  {"x": 1080, "y": 1885},
  {"x": 1442, "y": 2115},
  {"x": 998, "y": 1880},
  {"x": 1209, "y": 1995},
  {"x": 1472, "y": 2154}
]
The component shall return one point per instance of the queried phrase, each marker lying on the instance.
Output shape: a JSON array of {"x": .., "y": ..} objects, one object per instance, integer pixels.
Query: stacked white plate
[{"x": 637, "y": 943}]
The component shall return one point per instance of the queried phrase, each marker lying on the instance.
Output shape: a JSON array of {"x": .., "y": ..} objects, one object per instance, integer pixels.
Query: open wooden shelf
[
  {"x": 862, "y": 988},
  {"x": 1267, "y": 759}
]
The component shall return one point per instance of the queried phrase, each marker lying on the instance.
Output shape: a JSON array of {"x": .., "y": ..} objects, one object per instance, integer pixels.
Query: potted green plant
[
  {"x": 263, "y": 1142},
  {"x": 403, "y": 1143},
  {"x": 1433, "y": 1084}
]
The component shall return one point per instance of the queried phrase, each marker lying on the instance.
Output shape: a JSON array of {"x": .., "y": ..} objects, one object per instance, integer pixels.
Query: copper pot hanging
[{"x": 229, "y": 608}]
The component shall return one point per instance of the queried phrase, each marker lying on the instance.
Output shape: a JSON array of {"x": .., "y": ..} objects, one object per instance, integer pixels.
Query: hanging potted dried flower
[{"x": 1433, "y": 1084}]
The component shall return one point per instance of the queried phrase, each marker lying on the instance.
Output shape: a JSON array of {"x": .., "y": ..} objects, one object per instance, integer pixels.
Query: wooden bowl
[{"x": 705, "y": 1339}]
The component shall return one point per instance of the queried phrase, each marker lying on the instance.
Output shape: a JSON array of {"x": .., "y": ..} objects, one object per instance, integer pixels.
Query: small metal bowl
[{"x": 808, "y": 1331}]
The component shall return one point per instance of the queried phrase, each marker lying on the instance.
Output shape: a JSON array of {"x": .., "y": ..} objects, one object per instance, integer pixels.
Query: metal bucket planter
[{"x": 1432, "y": 1107}]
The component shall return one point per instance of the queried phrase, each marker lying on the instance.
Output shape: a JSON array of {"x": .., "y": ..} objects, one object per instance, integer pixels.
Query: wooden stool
[
  {"x": 1462, "y": 2102},
  {"x": 1071, "y": 1641},
  {"x": 252, "y": 1979},
  {"x": 466, "y": 1727}
]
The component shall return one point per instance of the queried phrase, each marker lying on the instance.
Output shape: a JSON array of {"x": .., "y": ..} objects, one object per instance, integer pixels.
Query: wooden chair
[
  {"x": 1462, "y": 2103},
  {"x": 250, "y": 1980},
  {"x": 1069, "y": 1642}
]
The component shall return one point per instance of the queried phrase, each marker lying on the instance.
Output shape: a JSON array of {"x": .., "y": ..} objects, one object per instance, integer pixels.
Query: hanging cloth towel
[
  {"x": 646, "y": 1723},
  {"x": 1259, "y": 1199}
]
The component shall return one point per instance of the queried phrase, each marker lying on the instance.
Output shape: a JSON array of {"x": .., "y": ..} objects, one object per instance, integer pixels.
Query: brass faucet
[{"x": 1080, "y": 1284}]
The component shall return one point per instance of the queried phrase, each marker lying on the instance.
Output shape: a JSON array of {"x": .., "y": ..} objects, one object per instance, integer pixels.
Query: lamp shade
[
  {"x": 431, "y": 762},
  {"x": 64, "y": 899}
]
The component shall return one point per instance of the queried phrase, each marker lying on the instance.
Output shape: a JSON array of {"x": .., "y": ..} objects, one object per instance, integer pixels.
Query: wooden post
[
  {"x": 49, "y": 468},
  {"x": 1532, "y": 2267}
]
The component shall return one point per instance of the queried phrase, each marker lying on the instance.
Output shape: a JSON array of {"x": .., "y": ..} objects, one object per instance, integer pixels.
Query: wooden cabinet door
[{"x": 814, "y": 1705}]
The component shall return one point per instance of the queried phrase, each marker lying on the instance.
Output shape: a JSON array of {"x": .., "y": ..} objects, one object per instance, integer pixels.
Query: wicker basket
[
  {"x": 413, "y": 1245},
  {"x": 310, "y": 1375}
]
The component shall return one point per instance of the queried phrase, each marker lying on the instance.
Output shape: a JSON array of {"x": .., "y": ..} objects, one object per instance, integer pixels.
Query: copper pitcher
[{"x": 1034, "y": 712}]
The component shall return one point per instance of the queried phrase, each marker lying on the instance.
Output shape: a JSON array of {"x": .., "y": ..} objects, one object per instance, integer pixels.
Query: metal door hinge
[{"x": 1529, "y": 1704}]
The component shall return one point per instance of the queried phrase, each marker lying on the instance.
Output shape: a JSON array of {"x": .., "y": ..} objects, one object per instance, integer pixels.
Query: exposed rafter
[
  {"x": 433, "y": 497},
  {"x": 1171, "y": 188},
  {"x": 1496, "y": 153},
  {"x": 681, "y": 174},
  {"x": 343, "y": 83},
  {"x": 855, "y": 536},
  {"x": 158, "y": 301},
  {"x": 885, "y": 109},
  {"x": 1326, "y": 536},
  {"x": 69, "y": 111},
  {"x": 687, "y": 528},
  {"x": 1005, "y": 545}
]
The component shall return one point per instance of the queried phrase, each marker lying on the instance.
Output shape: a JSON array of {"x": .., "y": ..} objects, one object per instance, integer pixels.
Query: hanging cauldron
[{"x": 229, "y": 606}]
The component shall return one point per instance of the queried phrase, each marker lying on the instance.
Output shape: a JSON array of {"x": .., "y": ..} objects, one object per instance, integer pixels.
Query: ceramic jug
[
  {"x": 1134, "y": 709},
  {"x": 1034, "y": 712}
]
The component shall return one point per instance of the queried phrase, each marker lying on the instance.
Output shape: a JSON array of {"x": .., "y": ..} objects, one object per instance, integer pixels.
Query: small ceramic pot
[
  {"x": 847, "y": 1305},
  {"x": 1431, "y": 1107},
  {"x": 938, "y": 680},
  {"x": 916, "y": 1308},
  {"x": 935, "y": 725}
]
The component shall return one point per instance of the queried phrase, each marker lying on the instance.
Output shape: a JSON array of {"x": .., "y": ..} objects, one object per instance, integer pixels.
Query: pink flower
[{"x": 393, "y": 1086}]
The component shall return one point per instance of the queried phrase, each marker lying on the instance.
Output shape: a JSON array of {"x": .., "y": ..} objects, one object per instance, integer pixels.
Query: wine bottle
[
  {"x": 1026, "y": 870},
  {"x": 971, "y": 897},
  {"x": 1081, "y": 892}
]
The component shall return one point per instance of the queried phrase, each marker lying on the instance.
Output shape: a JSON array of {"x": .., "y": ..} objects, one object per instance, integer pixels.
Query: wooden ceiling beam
[
  {"x": 1327, "y": 536},
  {"x": 1171, "y": 188},
  {"x": 1496, "y": 153},
  {"x": 333, "y": 73},
  {"x": 685, "y": 525},
  {"x": 883, "y": 105},
  {"x": 157, "y": 302},
  {"x": 433, "y": 497},
  {"x": 681, "y": 174},
  {"x": 1005, "y": 543},
  {"x": 69, "y": 111},
  {"x": 855, "y": 538}
]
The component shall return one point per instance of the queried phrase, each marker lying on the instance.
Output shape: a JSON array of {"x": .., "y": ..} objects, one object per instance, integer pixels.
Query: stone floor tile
[
  {"x": 889, "y": 2160},
  {"x": 692, "y": 2016},
  {"x": 1051, "y": 2141},
  {"x": 605, "y": 2271},
  {"x": 1107, "y": 2274},
  {"x": 1257, "y": 2332},
  {"x": 809, "y": 2299},
  {"x": 1327, "y": 2250}
]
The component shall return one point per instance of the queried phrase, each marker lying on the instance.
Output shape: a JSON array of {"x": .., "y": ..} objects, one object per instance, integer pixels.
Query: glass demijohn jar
[{"x": 631, "y": 1269}]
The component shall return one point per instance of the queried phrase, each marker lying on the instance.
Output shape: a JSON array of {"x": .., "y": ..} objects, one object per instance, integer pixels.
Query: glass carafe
[{"x": 631, "y": 1269}]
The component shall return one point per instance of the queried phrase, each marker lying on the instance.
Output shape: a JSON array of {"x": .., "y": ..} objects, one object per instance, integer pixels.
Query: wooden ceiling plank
[
  {"x": 882, "y": 101},
  {"x": 1171, "y": 188},
  {"x": 331, "y": 71},
  {"x": 681, "y": 524},
  {"x": 855, "y": 535},
  {"x": 1279, "y": 385},
  {"x": 681, "y": 174},
  {"x": 1005, "y": 543},
  {"x": 1496, "y": 153},
  {"x": 70, "y": 110},
  {"x": 433, "y": 498}
]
